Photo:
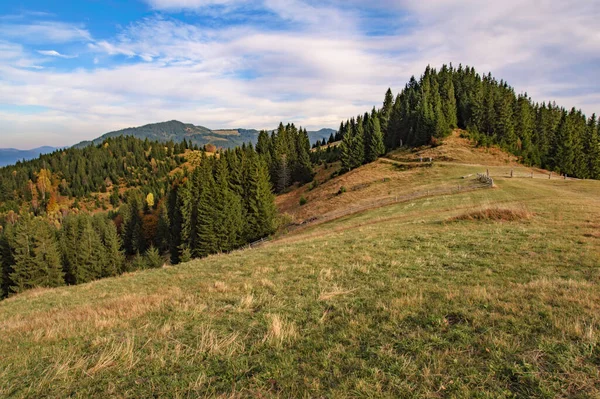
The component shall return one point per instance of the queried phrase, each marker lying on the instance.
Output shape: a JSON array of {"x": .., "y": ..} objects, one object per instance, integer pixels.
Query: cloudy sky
[{"x": 71, "y": 70}]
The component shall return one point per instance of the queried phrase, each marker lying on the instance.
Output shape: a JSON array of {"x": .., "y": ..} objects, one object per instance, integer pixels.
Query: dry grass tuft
[
  {"x": 246, "y": 302},
  {"x": 220, "y": 286},
  {"x": 267, "y": 283},
  {"x": 498, "y": 214},
  {"x": 280, "y": 331},
  {"x": 334, "y": 292}
]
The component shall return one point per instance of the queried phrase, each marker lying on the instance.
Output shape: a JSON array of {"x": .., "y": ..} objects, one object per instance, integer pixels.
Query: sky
[{"x": 73, "y": 70}]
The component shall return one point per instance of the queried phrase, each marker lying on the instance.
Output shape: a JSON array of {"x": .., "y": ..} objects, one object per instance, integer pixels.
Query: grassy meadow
[{"x": 492, "y": 293}]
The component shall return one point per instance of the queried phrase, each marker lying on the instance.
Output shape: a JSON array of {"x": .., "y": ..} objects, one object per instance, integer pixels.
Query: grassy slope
[{"x": 396, "y": 301}]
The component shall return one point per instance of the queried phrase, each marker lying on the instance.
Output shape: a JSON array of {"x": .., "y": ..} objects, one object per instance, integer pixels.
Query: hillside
[
  {"x": 493, "y": 292},
  {"x": 9, "y": 156},
  {"x": 197, "y": 135}
]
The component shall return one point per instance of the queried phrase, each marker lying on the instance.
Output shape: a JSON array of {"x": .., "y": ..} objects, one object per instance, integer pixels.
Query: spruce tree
[
  {"x": 262, "y": 213},
  {"x": 375, "y": 147},
  {"x": 227, "y": 210},
  {"x": 6, "y": 259},
  {"x": 358, "y": 144},
  {"x": 207, "y": 218},
  {"x": 386, "y": 111},
  {"x": 304, "y": 172},
  {"x": 113, "y": 261},
  {"x": 448, "y": 98},
  {"x": 594, "y": 148},
  {"x": 163, "y": 230},
  {"x": 346, "y": 148},
  {"x": 152, "y": 258},
  {"x": 564, "y": 159},
  {"x": 36, "y": 256}
]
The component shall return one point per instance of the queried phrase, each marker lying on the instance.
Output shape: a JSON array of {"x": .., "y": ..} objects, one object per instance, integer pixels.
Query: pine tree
[
  {"x": 163, "y": 231},
  {"x": 375, "y": 146},
  {"x": 346, "y": 148},
  {"x": 448, "y": 98},
  {"x": 207, "y": 218},
  {"x": 524, "y": 128},
  {"x": 386, "y": 111},
  {"x": 227, "y": 210},
  {"x": 133, "y": 235},
  {"x": 36, "y": 256},
  {"x": 113, "y": 260},
  {"x": 358, "y": 147},
  {"x": 565, "y": 157},
  {"x": 304, "y": 172},
  {"x": 262, "y": 213},
  {"x": 152, "y": 258},
  {"x": 594, "y": 148},
  {"x": 6, "y": 259}
]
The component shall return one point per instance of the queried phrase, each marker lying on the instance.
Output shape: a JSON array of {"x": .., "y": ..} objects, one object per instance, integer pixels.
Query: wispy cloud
[
  {"x": 54, "y": 53},
  {"x": 314, "y": 63},
  {"x": 44, "y": 32}
]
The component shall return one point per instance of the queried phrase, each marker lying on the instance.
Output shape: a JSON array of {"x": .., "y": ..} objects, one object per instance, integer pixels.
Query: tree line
[{"x": 427, "y": 109}]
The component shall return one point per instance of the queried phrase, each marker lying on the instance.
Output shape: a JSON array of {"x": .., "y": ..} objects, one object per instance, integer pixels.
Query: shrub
[
  {"x": 303, "y": 201},
  {"x": 342, "y": 190}
]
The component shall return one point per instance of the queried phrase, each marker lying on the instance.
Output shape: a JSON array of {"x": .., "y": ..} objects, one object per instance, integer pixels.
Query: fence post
[
  {"x": 511, "y": 173},
  {"x": 532, "y": 175},
  {"x": 550, "y": 176},
  {"x": 487, "y": 172}
]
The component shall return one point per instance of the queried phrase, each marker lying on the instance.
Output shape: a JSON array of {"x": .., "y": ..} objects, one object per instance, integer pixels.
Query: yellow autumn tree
[
  {"x": 150, "y": 200},
  {"x": 44, "y": 182}
]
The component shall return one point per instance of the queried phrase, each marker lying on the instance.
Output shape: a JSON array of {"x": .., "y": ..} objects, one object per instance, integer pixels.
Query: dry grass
[
  {"x": 280, "y": 331},
  {"x": 496, "y": 214},
  {"x": 333, "y": 292},
  {"x": 459, "y": 150}
]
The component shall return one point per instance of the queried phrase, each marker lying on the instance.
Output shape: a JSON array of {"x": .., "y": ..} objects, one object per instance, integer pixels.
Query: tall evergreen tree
[
  {"x": 594, "y": 148},
  {"x": 262, "y": 213},
  {"x": 36, "y": 256},
  {"x": 303, "y": 171},
  {"x": 375, "y": 147},
  {"x": 386, "y": 111}
]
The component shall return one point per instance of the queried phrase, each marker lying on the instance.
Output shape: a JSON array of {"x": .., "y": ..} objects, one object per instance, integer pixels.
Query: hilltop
[
  {"x": 490, "y": 292},
  {"x": 196, "y": 135}
]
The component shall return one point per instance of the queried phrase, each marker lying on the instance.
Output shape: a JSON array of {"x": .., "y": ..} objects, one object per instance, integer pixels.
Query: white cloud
[
  {"x": 54, "y": 53},
  {"x": 44, "y": 32},
  {"x": 317, "y": 70}
]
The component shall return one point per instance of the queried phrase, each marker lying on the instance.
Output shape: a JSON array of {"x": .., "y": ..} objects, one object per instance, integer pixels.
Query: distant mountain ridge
[
  {"x": 10, "y": 156},
  {"x": 178, "y": 131}
]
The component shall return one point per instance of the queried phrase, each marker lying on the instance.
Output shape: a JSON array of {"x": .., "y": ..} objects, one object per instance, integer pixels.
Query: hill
[
  {"x": 493, "y": 292},
  {"x": 10, "y": 156},
  {"x": 198, "y": 135}
]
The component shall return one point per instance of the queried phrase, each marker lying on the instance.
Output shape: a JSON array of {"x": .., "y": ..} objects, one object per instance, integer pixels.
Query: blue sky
[{"x": 70, "y": 71}]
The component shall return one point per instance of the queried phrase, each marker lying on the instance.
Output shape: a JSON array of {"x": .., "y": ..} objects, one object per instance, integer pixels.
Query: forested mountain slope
[{"x": 176, "y": 132}]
